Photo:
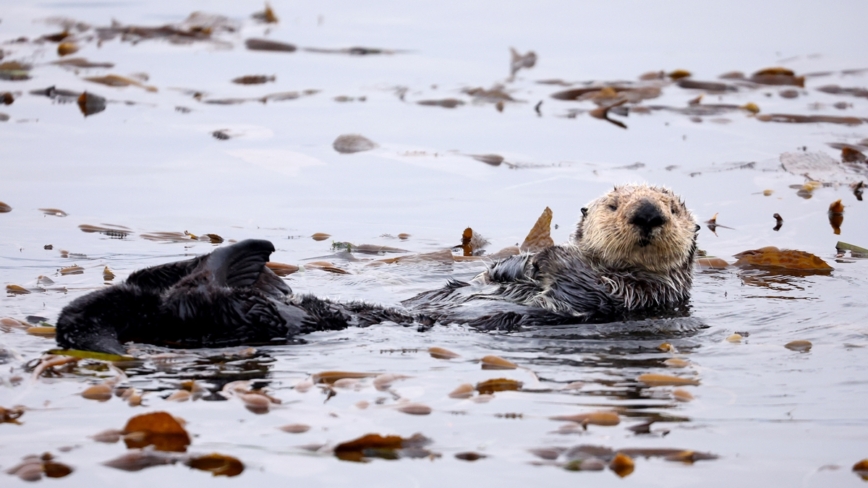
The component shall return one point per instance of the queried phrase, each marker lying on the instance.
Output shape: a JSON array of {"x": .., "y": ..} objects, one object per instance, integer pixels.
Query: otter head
[{"x": 637, "y": 227}]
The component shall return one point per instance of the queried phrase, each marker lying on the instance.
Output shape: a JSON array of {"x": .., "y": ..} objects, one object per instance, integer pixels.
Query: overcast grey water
[{"x": 183, "y": 148}]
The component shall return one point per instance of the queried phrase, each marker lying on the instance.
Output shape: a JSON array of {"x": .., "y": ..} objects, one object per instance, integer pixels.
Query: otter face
[{"x": 637, "y": 226}]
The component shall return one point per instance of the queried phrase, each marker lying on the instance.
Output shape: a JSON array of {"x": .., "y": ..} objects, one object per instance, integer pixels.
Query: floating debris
[
  {"x": 353, "y": 143},
  {"x": 492, "y": 159},
  {"x": 5, "y": 208},
  {"x": 353, "y": 51},
  {"x": 14, "y": 71},
  {"x": 295, "y": 428},
  {"x": 779, "y": 222},
  {"x": 463, "y": 391},
  {"x": 809, "y": 119},
  {"x": 777, "y": 76},
  {"x": 67, "y": 48},
  {"x": 488, "y": 387},
  {"x": 836, "y": 216},
  {"x": 119, "y": 81}
]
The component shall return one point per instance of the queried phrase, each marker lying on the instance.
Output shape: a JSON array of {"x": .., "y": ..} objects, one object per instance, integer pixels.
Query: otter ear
[
  {"x": 584, "y": 211},
  {"x": 698, "y": 227}
]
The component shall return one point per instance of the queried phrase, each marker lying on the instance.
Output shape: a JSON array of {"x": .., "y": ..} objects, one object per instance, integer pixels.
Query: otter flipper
[{"x": 239, "y": 265}]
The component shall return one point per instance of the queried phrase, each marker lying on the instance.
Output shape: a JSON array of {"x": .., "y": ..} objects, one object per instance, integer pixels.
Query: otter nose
[{"x": 647, "y": 217}]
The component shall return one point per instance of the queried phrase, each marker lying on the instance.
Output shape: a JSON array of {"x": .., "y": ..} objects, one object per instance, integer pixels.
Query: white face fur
[{"x": 639, "y": 227}]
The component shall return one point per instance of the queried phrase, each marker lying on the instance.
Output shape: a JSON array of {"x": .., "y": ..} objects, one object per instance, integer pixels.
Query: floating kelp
[
  {"x": 33, "y": 468},
  {"x": 386, "y": 447},
  {"x": 810, "y": 119},
  {"x": 67, "y": 48},
  {"x": 838, "y": 90},
  {"x": 518, "y": 61},
  {"x": 6, "y": 98},
  {"x": 114, "y": 231},
  {"x": 53, "y": 211},
  {"x": 197, "y": 26},
  {"x": 777, "y": 76},
  {"x": 267, "y": 16},
  {"x": 90, "y": 104},
  {"x": 119, "y": 81},
  {"x": 267, "y": 45},
  {"x": 5, "y": 208},
  {"x": 772, "y": 257},
  {"x": 14, "y": 71},
  {"x": 353, "y": 51},
  {"x": 59, "y": 94},
  {"x": 710, "y": 86},
  {"x": 81, "y": 63},
  {"x": 602, "y": 113},
  {"x": 498, "y": 384},
  {"x": 253, "y": 79},
  {"x": 445, "y": 103},
  {"x": 539, "y": 236}
]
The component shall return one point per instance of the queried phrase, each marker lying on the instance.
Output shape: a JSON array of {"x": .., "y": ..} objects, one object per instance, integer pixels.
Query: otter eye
[
  {"x": 613, "y": 207},
  {"x": 584, "y": 211}
]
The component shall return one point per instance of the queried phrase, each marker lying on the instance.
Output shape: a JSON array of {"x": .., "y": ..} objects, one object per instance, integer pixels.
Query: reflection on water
[{"x": 459, "y": 133}]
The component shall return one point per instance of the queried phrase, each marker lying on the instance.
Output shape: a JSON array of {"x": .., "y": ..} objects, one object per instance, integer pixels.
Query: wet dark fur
[{"x": 225, "y": 298}]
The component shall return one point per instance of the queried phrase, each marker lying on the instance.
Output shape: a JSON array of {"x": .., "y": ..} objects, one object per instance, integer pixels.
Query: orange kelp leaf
[
  {"x": 676, "y": 363},
  {"x": 53, "y": 469},
  {"x": 101, "y": 392},
  {"x": 463, "y": 391},
  {"x": 466, "y": 238},
  {"x": 836, "y": 216},
  {"x": 281, "y": 269},
  {"x": 371, "y": 445},
  {"x": 10, "y": 415},
  {"x": 593, "y": 418},
  {"x": 861, "y": 468},
  {"x": 622, "y": 465},
  {"x": 850, "y": 155},
  {"x": 17, "y": 290},
  {"x": 652, "y": 379},
  {"x": 217, "y": 464},
  {"x": 266, "y": 45},
  {"x": 492, "y": 159},
  {"x": 329, "y": 377},
  {"x": 445, "y": 103},
  {"x": 353, "y": 143},
  {"x": 90, "y": 104},
  {"x": 375, "y": 445},
  {"x": 267, "y": 16},
  {"x": 800, "y": 346},
  {"x": 160, "y": 430},
  {"x": 539, "y": 236},
  {"x": 325, "y": 266},
  {"x": 107, "y": 274},
  {"x": 440, "y": 353},
  {"x": 72, "y": 270},
  {"x": 602, "y": 113},
  {"x": 67, "y": 48},
  {"x": 7, "y": 98},
  {"x": 775, "y": 71},
  {"x": 712, "y": 263},
  {"x": 444, "y": 257},
  {"x": 679, "y": 73},
  {"x": 253, "y": 79},
  {"x": 836, "y": 206},
  {"x": 496, "y": 362},
  {"x": 682, "y": 395},
  {"x": 809, "y": 119},
  {"x": 119, "y": 81},
  {"x": 735, "y": 338},
  {"x": 139, "y": 460},
  {"x": 320, "y": 236},
  {"x": 773, "y": 257},
  {"x": 4, "y": 208},
  {"x": 498, "y": 384},
  {"x": 42, "y": 331}
]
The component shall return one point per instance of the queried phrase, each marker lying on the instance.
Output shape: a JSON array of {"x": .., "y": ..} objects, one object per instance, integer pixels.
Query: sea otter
[
  {"x": 225, "y": 298},
  {"x": 630, "y": 256}
]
